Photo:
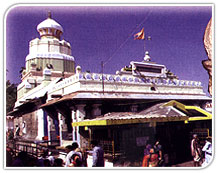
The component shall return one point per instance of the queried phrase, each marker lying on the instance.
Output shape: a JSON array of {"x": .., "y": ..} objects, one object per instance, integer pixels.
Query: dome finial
[
  {"x": 50, "y": 27},
  {"x": 147, "y": 57},
  {"x": 49, "y": 14}
]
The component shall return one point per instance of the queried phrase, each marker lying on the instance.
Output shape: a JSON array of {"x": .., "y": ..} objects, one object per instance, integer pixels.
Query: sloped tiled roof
[{"x": 156, "y": 113}]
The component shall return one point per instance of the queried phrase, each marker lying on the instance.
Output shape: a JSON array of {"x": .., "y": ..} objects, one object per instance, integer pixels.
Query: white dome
[{"x": 49, "y": 23}]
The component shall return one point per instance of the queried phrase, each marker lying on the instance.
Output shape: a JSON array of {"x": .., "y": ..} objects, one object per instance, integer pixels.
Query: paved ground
[{"x": 185, "y": 164}]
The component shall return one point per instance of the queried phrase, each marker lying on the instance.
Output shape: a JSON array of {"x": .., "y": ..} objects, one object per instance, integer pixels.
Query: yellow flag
[{"x": 140, "y": 35}]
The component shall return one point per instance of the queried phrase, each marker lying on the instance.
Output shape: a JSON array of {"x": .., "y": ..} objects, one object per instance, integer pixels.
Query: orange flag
[{"x": 140, "y": 35}]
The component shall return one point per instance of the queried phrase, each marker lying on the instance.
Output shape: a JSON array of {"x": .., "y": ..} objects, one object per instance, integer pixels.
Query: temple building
[
  {"x": 139, "y": 104},
  {"x": 49, "y": 60}
]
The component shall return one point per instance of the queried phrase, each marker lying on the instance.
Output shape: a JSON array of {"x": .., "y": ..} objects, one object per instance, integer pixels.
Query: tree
[{"x": 11, "y": 95}]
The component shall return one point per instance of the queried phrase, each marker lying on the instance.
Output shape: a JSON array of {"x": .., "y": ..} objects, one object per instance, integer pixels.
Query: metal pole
[
  {"x": 102, "y": 67},
  {"x": 90, "y": 137},
  {"x": 113, "y": 145},
  {"x": 144, "y": 45}
]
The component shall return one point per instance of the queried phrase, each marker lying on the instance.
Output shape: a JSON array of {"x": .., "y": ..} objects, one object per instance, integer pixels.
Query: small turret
[
  {"x": 78, "y": 69},
  {"x": 147, "y": 57}
]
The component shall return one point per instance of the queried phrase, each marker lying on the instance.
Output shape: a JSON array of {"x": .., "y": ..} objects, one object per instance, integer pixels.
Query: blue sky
[{"x": 102, "y": 33}]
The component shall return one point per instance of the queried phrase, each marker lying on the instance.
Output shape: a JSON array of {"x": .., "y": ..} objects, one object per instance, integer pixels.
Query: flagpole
[
  {"x": 102, "y": 67},
  {"x": 140, "y": 36},
  {"x": 144, "y": 45}
]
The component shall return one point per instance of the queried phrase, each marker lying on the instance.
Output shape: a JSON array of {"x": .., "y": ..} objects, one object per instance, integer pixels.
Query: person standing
[
  {"x": 9, "y": 155},
  {"x": 151, "y": 160},
  {"x": 70, "y": 153},
  {"x": 97, "y": 154},
  {"x": 17, "y": 131},
  {"x": 10, "y": 135},
  {"x": 24, "y": 128},
  {"x": 75, "y": 161},
  {"x": 195, "y": 150},
  {"x": 45, "y": 159},
  {"x": 84, "y": 156},
  {"x": 208, "y": 151},
  {"x": 159, "y": 152},
  {"x": 146, "y": 153},
  {"x": 58, "y": 162}
]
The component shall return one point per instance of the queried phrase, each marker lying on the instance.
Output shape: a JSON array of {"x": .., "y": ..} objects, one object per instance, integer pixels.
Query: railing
[
  {"x": 110, "y": 148},
  {"x": 111, "y": 78},
  {"x": 33, "y": 148}
]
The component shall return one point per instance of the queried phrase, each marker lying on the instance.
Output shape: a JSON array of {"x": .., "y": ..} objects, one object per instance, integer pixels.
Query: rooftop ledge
[
  {"x": 53, "y": 55},
  {"x": 133, "y": 80}
]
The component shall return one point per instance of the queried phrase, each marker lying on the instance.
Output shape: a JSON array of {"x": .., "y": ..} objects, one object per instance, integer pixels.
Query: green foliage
[{"x": 11, "y": 95}]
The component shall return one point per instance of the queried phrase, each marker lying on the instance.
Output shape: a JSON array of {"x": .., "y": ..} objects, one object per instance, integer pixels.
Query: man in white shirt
[{"x": 208, "y": 151}]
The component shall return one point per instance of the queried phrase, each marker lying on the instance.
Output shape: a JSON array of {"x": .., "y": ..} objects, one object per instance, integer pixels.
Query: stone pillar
[
  {"x": 73, "y": 117},
  {"x": 45, "y": 119},
  {"x": 40, "y": 132},
  {"x": 60, "y": 119},
  {"x": 80, "y": 112},
  {"x": 49, "y": 119},
  {"x": 80, "y": 115},
  {"x": 96, "y": 111}
]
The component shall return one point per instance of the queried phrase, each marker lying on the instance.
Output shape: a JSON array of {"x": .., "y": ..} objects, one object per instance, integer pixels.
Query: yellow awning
[
  {"x": 187, "y": 109},
  {"x": 109, "y": 122},
  {"x": 156, "y": 113},
  {"x": 164, "y": 112}
]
